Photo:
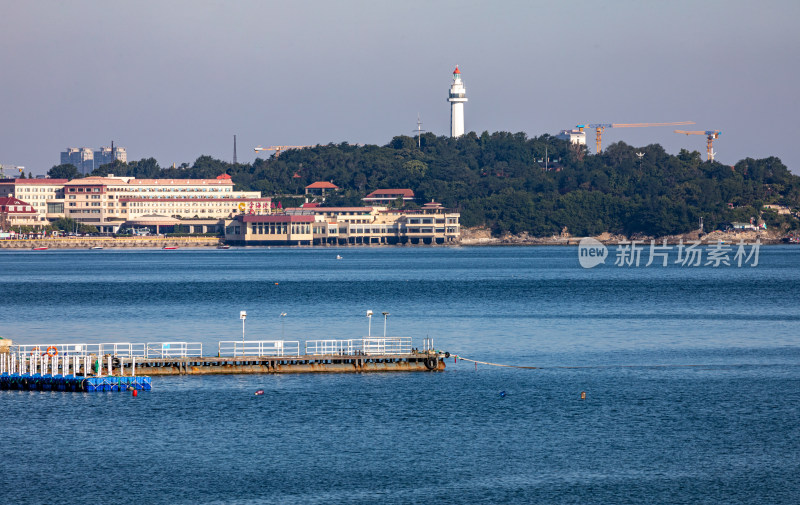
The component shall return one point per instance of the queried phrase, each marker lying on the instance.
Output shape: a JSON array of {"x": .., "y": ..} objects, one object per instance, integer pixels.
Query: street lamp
[
  {"x": 385, "y": 316},
  {"x": 283, "y": 315},
  {"x": 369, "y": 331},
  {"x": 242, "y": 316}
]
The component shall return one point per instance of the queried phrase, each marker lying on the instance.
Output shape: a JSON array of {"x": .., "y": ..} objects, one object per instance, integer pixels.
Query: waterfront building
[
  {"x": 457, "y": 99},
  {"x": 44, "y": 195},
  {"x": 278, "y": 229},
  {"x": 15, "y": 212},
  {"x": 387, "y": 196},
  {"x": 109, "y": 202},
  {"x": 431, "y": 224}
]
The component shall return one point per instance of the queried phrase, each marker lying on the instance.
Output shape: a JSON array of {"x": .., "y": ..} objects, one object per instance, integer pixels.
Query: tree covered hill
[{"x": 502, "y": 181}]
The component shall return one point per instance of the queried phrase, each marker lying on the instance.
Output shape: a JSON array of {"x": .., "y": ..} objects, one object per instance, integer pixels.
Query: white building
[
  {"x": 574, "y": 136},
  {"x": 457, "y": 98}
]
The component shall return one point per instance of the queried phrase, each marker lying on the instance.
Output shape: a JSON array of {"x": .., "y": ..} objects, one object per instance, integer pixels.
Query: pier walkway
[{"x": 120, "y": 366}]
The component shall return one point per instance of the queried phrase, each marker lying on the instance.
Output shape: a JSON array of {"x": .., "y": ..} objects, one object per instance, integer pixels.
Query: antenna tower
[
  {"x": 234, "y": 150},
  {"x": 419, "y": 131}
]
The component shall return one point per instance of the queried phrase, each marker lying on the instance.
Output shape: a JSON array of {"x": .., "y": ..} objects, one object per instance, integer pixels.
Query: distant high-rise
[
  {"x": 86, "y": 160},
  {"x": 457, "y": 98},
  {"x": 107, "y": 155},
  {"x": 81, "y": 157}
]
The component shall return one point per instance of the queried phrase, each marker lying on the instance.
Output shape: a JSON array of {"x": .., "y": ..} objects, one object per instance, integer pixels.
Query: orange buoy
[{"x": 583, "y": 395}]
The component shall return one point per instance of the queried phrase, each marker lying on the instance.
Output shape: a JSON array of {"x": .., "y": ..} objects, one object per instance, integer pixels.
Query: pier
[{"x": 122, "y": 366}]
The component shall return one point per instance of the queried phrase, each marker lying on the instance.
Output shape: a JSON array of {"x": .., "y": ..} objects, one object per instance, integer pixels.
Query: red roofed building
[
  {"x": 320, "y": 188},
  {"x": 387, "y": 196},
  {"x": 15, "y": 212}
]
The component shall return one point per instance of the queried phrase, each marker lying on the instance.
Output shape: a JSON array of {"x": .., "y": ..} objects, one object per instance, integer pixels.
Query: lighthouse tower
[{"x": 458, "y": 95}]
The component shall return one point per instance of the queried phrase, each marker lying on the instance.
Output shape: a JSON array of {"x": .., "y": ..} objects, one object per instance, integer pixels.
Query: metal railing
[
  {"x": 174, "y": 349},
  {"x": 259, "y": 348},
  {"x": 368, "y": 346},
  {"x": 226, "y": 348}
]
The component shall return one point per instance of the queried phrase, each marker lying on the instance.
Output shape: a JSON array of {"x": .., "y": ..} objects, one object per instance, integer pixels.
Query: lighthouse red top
[{"x": 456, "y": 71}]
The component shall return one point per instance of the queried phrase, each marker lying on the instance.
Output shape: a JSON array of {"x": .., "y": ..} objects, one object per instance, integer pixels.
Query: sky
[{"x": 175, "y": 80}]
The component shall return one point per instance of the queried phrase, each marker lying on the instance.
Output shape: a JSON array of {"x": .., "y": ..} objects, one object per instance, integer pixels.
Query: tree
[{"x": 65, "y": 171}]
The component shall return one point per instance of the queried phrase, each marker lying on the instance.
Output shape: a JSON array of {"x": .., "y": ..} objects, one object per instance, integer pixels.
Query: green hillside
[{"x": 501, "y": 180}]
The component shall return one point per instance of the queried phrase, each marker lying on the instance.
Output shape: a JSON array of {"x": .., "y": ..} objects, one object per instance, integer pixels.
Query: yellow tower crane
[
  {"x": 277, "y": 149},
  {"x": 599, "y": 127},
  {"x": 711, "y": 135}
]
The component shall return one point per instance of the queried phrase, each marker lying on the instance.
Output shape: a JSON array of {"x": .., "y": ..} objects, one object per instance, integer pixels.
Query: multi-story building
[
  {"x": 432, "y": 224},
  {"x": 574, "y": 136},
  {"x": 81, "y": 157},
  {"x": 387, "y": 196},
  {"x": 46, "y": 196},
  {"x": 108, "y": 202},
  {"x": 86, "y": 160},
  {"x": 106, "y": 155}
]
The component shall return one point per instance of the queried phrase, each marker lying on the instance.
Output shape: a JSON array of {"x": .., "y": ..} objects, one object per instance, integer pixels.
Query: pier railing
[
  {"x": 174, "y": 349},
  {"x": 225, "y": 348},
  {"x": 368, "y": 346},
  {"x": 259, "y": 348}
]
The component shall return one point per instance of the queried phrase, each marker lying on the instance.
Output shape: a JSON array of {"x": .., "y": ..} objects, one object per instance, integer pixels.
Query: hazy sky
[{"x": 177, "y": 79}]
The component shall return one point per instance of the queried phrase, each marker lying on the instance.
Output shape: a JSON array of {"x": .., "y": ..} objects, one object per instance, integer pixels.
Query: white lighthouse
[{"x": 458, "y": 95}]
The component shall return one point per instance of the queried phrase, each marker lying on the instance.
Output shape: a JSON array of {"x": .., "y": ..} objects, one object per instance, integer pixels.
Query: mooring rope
[
  {"x": 496, "y": 364},
  {"x": 565, "y": 367}
]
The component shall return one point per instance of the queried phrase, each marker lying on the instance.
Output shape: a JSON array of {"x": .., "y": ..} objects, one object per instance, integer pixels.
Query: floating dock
[{"x": 47, "y": 382}]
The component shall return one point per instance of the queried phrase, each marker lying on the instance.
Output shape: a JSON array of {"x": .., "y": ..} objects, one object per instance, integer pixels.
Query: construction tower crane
[
  {"x": 277, "y": 149},
  {"x": 602, "y": 126},
  {"x": 16, "y": 167},
  {"x": 711, "y": 135}
]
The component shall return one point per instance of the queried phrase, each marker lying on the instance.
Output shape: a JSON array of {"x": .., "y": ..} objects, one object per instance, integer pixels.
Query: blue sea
[{"x": 691, "y": 378}]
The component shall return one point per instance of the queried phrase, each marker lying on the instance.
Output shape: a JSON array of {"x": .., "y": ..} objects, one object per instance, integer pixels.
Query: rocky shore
[{"x": 483, "y": 237}]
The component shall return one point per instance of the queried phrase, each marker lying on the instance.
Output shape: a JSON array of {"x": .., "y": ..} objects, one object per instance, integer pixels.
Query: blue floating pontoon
[{"x": 39, "y": 382}]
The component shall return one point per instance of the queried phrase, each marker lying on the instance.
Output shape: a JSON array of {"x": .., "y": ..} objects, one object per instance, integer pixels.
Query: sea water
[{"x": 691, "y": 378}]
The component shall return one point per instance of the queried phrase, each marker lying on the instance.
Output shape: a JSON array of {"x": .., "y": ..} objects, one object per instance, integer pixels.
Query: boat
[
  {"x": 169, "y": 247},
  {"x": 41, "y": 248},
  {"x": 96, "y": 248},
  {"x": 338, "y": 257},
  {"x": 223, "y": 246}
]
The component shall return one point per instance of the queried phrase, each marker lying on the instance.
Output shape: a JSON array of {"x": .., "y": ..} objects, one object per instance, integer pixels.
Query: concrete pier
[{"x": 414, "y": 362}]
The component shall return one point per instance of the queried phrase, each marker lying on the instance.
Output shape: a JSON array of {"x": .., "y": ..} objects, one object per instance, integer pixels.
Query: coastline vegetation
[{"x": 514, "y": 184}]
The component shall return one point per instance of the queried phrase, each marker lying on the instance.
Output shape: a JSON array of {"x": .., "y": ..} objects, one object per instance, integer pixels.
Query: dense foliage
[{"x": 502, "y": 180}]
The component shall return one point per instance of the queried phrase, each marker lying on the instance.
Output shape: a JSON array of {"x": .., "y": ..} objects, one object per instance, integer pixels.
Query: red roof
[
  {"x": 309, "y": 205},
  {"x": 53, "y": 182},
  {"x": 405, "y": 193},
  {"x": 322, "y": 185},
  {"x": 456, "y": 71},
  {"x": 223, "y": 176},
  {"x": 280, "y": 218},
  {"x": 6, "y": 201}
]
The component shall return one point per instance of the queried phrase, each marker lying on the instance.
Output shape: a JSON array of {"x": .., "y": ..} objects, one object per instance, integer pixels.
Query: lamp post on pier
[
  {"x": 369, "y": 328},
  {"x": 283, "y": 321},
  {"x": 243, "y": 316},
  {"x": 385, "y": 316}
]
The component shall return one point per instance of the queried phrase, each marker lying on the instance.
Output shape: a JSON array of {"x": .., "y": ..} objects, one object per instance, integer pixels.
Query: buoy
[
  {"x": 276, "y": 283},
  {"x": 259, "y": 392},
  {"x": 583, "y": 395},
  {"x": 502, "y": 394},
  {"x": 135, "y": 393}
]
